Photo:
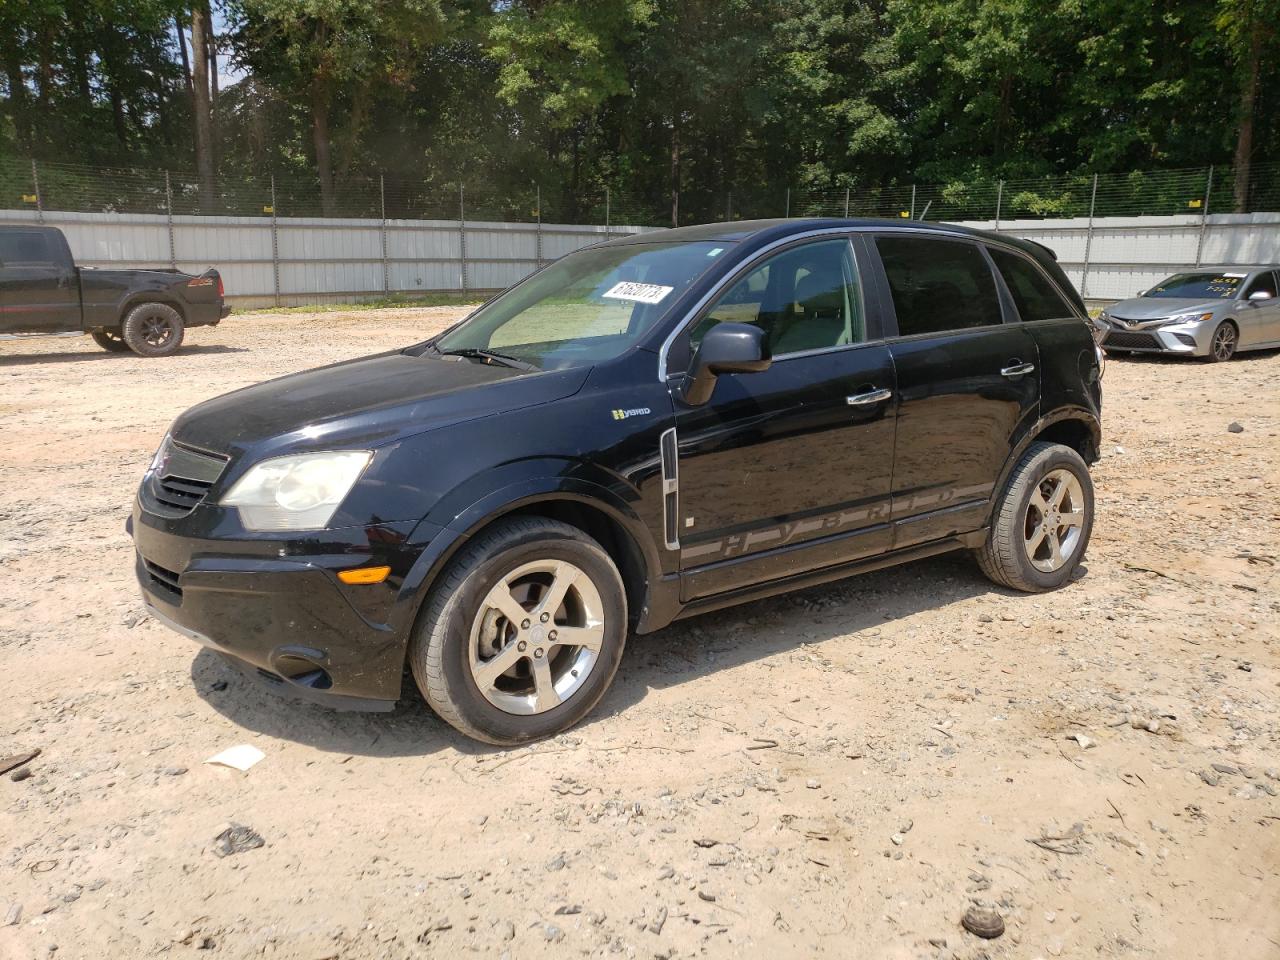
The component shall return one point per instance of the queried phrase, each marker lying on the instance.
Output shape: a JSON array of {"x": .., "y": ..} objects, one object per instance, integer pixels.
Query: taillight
[{"x": 220, "y": 290}]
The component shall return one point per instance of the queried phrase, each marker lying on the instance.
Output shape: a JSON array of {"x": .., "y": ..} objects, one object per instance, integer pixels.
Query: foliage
[{"x": 704, "y": 108}]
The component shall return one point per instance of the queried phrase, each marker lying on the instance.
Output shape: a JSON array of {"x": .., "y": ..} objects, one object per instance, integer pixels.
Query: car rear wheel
[
  {"x": 1042, "y": 521},
  {"x": 153, "y": 330},
  {"x": 523, "y": 633},
  {"x": 1223, "y": 344},
  {"x": 110, "y": 340}
]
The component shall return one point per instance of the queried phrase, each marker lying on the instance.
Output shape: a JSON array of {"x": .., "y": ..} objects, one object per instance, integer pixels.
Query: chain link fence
[{"x": 43, "y": 185}]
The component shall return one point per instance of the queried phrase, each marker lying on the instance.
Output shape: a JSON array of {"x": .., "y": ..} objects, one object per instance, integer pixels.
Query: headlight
[
  {"x": 1187, "y": 318},
  {"x": 299, "y": 492}
]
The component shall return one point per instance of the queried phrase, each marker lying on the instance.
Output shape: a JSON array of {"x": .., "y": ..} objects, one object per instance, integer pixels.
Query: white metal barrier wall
[
  {"x": 293, "y": 261},
  {"x": 1112, "y": 258}
]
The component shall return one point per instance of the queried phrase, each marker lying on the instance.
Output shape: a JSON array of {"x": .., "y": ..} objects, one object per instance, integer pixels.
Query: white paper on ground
[{"x": 240, "y": 757}]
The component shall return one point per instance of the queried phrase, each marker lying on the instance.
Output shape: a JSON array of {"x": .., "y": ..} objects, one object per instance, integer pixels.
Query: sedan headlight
[
  {"x": 1187, "y": 318},
  {"x": 299, "y": 492}
]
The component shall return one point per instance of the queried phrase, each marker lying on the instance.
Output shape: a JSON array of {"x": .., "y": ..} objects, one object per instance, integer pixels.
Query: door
[
  {"x": 967, "y": 380},
  {"x": 38, "y": 288},
  {"x": 788, "y": 470},
  {"x": 1260, "y": 319}
]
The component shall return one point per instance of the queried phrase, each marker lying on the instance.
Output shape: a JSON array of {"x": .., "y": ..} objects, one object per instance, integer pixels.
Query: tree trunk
[
  {"x": 213, "y": 83},
  {"x": 320, "y": 139},
  {"x": 17, "y": 92},
  {"x": 675, "y": 169},
  {"x": 182, "y": 50},
  {"x": 117, "y": 115},
  {"x": 1248, "y": 102},
  {"x": 201, "y": 110}
]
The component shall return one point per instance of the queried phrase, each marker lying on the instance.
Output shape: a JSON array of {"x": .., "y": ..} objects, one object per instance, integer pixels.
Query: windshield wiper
[{"x": 476, "y": 353}]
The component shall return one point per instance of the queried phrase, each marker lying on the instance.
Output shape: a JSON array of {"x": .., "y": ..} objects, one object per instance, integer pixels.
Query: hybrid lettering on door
[{"x": 785, "y": 533}]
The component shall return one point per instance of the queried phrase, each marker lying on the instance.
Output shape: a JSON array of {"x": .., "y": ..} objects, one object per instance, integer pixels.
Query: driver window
[
  {"x": 1266, "y": 282},
  {"x": 805, "y": 298}
]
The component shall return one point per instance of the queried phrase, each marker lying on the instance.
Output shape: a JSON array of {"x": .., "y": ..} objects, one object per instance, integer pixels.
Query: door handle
[
  {"x": 1017, "y": 368},
  {"x": 868, "y": 398}
]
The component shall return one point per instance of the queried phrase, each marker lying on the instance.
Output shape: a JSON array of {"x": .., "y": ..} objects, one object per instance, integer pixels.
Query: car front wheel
[
  {"x": 1042, "y": 522},
  {"x": 522, "y": 634},
  {"x": 1224, "y": 342}
]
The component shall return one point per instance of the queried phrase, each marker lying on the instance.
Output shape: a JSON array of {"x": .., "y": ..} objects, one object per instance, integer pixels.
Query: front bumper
[
  {"x": 1188, "y": 339},
  {"x": 278, "y": 611}
]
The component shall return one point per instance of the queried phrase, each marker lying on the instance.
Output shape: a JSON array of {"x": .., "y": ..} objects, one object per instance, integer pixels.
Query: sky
[{"x": 228, "y": 73}]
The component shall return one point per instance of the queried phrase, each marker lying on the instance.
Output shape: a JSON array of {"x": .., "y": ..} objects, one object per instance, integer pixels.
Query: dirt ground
[{"x": 839, "y": 772}]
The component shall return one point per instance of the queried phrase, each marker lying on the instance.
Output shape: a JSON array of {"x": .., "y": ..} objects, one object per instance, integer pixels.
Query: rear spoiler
[{"x": 1053, "y": 254}]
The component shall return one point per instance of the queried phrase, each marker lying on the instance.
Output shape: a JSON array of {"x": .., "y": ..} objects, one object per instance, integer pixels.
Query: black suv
[{"x": 647, "y": 429}]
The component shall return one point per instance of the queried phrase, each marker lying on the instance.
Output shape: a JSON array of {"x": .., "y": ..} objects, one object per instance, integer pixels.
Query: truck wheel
[
  {"x": 153, "y": 329},
  {"x": 1042, "y": 521},
  {"x": 110, "y": 340},
  {"x": 522, "y": 634}
]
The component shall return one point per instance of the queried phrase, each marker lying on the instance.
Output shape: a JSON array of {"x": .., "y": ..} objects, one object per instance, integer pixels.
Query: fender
[
  {"x": 157, "y": 294},
  {"x": 443, "y": 542},
  {"x": 1028, "y": 437}
]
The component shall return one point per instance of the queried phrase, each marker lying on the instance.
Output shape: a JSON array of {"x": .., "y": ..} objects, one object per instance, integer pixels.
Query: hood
[
  {"x": 1157, "y": 308},
  {"x": 365, "y": 402}
]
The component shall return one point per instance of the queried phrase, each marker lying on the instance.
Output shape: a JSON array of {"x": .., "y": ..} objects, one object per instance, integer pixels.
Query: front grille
[
  {"x": 166, "y": 581},
  {"x": 1130, "y": 341},
  {"x": 1128, "y": 322},
  {"x": 181, "y": 493},
  {"x": 181, "y": 479}
]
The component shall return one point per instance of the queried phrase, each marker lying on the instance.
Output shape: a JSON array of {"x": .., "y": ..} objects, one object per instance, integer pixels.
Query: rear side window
[
  {"x": 938, "y": 285},
  {"x": 1033, "y": 294},
  {"x": 25, "y": 248}
]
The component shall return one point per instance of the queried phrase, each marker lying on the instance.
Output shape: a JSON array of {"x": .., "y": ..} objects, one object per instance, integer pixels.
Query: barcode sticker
[{"x": 640, "y": 292}]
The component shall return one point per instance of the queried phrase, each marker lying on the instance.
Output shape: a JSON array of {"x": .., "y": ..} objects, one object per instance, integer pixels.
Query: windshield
[
  {"x": 590, "y": 306},
  {"x": 1199, "y": 286}
]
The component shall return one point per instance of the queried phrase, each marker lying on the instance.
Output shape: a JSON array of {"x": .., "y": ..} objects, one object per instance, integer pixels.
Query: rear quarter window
[
  {"x": 25, "y": 248},
  {"x": 1034, "y": 296},
  {"x": 938, "y": 285}
]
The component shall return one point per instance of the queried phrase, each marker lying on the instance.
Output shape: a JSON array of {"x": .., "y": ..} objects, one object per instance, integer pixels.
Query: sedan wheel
[{"x": 1223, "y": 345}]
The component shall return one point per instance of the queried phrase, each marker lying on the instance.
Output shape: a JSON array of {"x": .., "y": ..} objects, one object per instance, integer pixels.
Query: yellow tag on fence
[
  {"x": 1195, "y": 204},
  {"x": 905, "y": 214},
  {"x": 30, "y": 198},
  {"x": 268, "y": 209}
]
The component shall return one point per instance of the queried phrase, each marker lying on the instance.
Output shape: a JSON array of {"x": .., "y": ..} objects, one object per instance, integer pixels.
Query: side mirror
[
  {"x": 1261, "y": 295},
  {"x": 1141, "y": 293},
  {"x": 726, "y": 348}
]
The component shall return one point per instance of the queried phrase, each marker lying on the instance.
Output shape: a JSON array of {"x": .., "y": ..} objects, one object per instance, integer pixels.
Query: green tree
[{"x": 327, "y": 53}]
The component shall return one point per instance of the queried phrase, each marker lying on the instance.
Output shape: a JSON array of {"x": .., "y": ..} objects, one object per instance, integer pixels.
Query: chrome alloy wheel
[
  {"x": 1054, "y": 522},
  {"x": 1224, "y": 342},
  {"x": 536, "y": 637}
]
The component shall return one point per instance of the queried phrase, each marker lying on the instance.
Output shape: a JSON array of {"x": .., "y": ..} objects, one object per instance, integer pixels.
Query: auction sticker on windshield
[{"x": 640, "y": 292}]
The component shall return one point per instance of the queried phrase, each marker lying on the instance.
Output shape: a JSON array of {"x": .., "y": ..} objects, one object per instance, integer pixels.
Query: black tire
[
  {"x": 110, "y": 340},
  {"x": 1005, "y": 557},
  {"x": 1223, "y": 343},
  {"x": 153, "y": 329},
  {"x": 439, "y": 651}
]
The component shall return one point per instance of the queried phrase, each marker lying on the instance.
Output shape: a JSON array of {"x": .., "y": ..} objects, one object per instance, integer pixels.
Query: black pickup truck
[{"x": 43, "y": 293}]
